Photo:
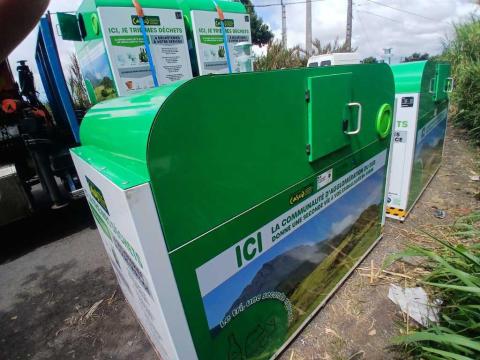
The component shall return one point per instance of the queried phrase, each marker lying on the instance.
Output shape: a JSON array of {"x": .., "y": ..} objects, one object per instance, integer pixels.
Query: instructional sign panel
[
  {"x": 126, "y": 47},
  {"x": 403, "y": 146},
  {"x": 210, "y": 49}
]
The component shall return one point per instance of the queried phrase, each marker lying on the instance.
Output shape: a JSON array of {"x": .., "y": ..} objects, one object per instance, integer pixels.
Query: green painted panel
[
  {"x": 122, "y": 174},
  {"x": 69, "y": 29},
  {"x": 442, "y": 73},
  {"x": 120, "y": 128},
  {"x": 252, "y": 127},
  {"x": 241, "y": 129},
  {"x": 328, "y": 113},
  {"x": 408, "y": 76}
]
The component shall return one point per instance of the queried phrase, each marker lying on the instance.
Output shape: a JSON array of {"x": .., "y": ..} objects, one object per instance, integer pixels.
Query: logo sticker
[
  {"x": 97, "y": 194},
  {"x": 324, "y": 179},
  {"x": 301, "y": 194}
]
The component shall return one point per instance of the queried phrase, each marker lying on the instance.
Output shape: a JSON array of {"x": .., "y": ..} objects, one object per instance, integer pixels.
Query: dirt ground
[{"x": 59, "y": 298}]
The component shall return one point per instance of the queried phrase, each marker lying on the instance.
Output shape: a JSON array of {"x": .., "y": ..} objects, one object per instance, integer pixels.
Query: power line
[
  {"x": 279, "y": 4},
  {"x": 365, "y": 31},
  {"x": 380, "y": 16},
  {"x": 402, "y": 10}
]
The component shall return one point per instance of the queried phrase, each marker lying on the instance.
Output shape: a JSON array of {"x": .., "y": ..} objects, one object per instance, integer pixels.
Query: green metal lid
[
  {"x": 408, "y": 76},
  {"x": 213, "y": 148}
]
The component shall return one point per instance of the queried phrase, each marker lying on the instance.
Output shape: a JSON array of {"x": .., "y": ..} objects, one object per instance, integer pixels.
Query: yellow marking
[{"x": 396, "y": 212}]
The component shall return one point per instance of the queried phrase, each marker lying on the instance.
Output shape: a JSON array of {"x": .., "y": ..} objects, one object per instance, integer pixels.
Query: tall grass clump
[
  {"x": 454, "y": 278},
  {"x": 463, "y": 51}
]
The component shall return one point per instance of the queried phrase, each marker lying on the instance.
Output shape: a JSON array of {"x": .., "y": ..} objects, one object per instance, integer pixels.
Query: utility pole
[
  {"x": 308, "y": 29},
  {"x": 348, "y": 37},
  {"x": 284, "y": 24},
  {"x": 387, "y": 53}
]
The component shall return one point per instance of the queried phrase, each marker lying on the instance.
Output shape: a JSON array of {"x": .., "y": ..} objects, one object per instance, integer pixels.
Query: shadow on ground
[
  {"x": 52, "y": 322},
  {"x": 46, "y": 226}
]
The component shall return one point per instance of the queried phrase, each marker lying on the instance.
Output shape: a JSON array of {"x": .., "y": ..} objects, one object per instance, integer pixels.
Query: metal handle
[
  {"x": 431, "y": 86},
  {"x": 450, "y": 83},
  {"x": 359, "y": 119}
]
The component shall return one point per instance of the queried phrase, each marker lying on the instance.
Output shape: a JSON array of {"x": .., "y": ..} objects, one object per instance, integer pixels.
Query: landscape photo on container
[
  {"x": 345, "y": 227},
  {"x": 428, "y": 154}
]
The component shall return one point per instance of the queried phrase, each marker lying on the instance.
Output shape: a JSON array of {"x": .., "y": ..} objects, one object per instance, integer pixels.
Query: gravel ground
[{"x": 54, "y": 269}]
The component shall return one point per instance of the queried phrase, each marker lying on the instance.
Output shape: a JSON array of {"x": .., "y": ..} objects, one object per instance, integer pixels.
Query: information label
[
  {"x": 210, "y": 47},
  {"x": 126, "y": 47}
]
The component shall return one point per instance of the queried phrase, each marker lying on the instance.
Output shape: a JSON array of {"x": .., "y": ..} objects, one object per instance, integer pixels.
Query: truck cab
[{"x": 333, "y": 59}]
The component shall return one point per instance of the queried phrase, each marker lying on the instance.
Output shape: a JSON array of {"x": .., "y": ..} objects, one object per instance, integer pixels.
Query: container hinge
[
  {"x": 308, "y": 149},
  {"x": 307, "y": 95}
]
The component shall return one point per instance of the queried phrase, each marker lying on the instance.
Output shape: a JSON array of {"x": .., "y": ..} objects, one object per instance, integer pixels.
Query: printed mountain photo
[
  {"x": 428, "y": 155},
  {"x": 307, "y": 264}
]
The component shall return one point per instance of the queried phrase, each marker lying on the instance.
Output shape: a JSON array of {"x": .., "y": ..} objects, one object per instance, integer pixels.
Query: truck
[
  {"x": 36, "y": 168},
  {"x": 333, "y": 59}
]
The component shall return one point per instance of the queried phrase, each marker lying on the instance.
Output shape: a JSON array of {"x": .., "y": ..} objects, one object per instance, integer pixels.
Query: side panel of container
[
  {"x": 403, "y": 148},
  {"x": 428, "y": 154},
  {"x": 247, "y": 301},
  {"x": 129, "y": 227}
]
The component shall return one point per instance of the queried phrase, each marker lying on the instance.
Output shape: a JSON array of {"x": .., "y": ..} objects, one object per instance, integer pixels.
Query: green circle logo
[
  {"x": 384, "y": 120},
  {"x": 95, "y": 24}
]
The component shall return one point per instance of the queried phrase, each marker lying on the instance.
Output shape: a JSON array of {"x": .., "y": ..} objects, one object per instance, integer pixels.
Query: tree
[
  {"x": 416, "y": 57},
  {"x": 370, "y": 60},
  {"x": 280, "y": 57},
  {"x": 261, "y": 34},
  {"x": 75, "y": 81},
  {"x": 330, "y": 48}
]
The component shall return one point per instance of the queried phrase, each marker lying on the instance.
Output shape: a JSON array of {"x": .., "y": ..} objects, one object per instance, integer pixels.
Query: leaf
[
  {"x": 450, "y": 339},
  {"x": 471, "y": 289},
  {"x": 447, "y": 354}
]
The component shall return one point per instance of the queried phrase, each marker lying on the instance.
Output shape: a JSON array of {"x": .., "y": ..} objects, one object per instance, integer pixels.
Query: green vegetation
[
  {"x": 261, "y": 34},
  {"x": 281, "y": 57},
  {"x": 464, "y": 54},
  {"x": 370, "y": 60},
  {"x": 416, "y": 57},
  {"x": 454, "y": 277},
  {"x": 75, "y": 82}
]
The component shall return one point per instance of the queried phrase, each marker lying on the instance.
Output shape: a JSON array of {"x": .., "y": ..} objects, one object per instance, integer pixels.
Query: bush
[
  {"x": 464, "y": 54},
  {"x": 454, "y": 277}
]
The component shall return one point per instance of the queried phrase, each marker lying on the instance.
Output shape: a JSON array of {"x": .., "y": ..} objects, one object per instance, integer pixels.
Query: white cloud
[
  {"x": 374, "y": 26},
  {"x": 340, "y": 226}
]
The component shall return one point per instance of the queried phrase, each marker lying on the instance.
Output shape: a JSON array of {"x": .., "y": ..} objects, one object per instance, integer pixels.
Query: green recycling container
[
  {"x": 184, "y": 36},
  {"x": 232, "y": 206},
  {"x": 421, "y": 97}
]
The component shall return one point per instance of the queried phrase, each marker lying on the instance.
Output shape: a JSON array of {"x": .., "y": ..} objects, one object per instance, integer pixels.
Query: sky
[
  {"x": 330, "y": 222},
  {"x": 418, "y": 25}
]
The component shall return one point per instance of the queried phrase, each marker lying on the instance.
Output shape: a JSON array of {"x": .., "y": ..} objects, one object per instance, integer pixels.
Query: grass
[
  {"x": 463, "y": 52},
  {"x": 454, "y": 277}
]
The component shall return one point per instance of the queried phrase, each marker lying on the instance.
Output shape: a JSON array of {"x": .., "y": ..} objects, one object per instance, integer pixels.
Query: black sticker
[
  {"x": 178, "y": 15},
  {"x": 407, "y": 101}
]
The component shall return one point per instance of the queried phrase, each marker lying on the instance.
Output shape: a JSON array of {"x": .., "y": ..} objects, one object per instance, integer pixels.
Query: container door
[
  {"x": 328, "y": 113},
  {"x": 441, "y": 82}
]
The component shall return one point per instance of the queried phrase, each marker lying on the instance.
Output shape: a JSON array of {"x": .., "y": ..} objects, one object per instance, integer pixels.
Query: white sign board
[
  {"x": 126, "y": 47},
  {"x": 128, "y": 225},
  {"x": 209, "y": 45},
  {"x": 403, "y": 147}
]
